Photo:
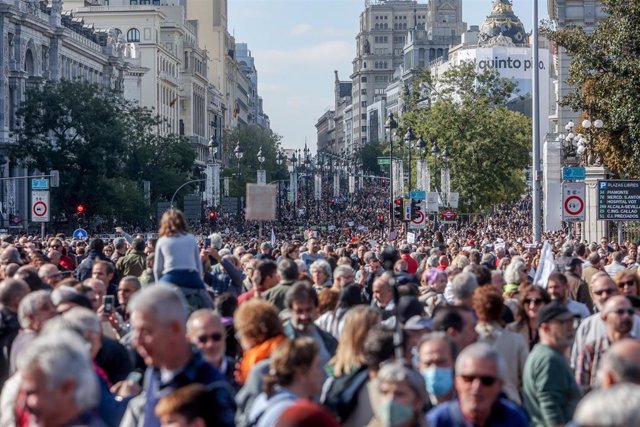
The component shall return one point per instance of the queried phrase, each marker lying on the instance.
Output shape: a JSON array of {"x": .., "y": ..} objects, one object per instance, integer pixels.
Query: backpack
[{"x": 341, "y": 394}]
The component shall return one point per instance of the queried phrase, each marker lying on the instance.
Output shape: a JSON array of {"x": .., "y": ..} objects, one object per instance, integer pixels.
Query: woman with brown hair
[
  {"x": 531, "y": 302},
  {"x": 177, "y": 259},
  {"x": 259, "y": 331},
  {"x": 295, "y": 373},
  {"x": 488, "y": 305}
]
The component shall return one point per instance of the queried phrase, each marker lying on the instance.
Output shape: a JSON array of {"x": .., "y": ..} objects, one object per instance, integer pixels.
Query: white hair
[
  {"x": 612, "y": 407},
  {"x": 62, "y": 357},
  {"x": 341, "y": 270},
  {"x": 164, "y": 301},
  {"x": 512, "y": 272},
  {"x": 30, "y": 304},
  {"x": 463, "y": 285},
  {"x": 484, "y": 351}
]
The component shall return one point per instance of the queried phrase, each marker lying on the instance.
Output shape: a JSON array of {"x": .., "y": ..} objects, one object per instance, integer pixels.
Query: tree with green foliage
[
  {"x": 489, "y": 145},
  {"x": 252, "y": 139},
  {"x": 103, "y": 147},
  {"x": 605, "y": 75}
]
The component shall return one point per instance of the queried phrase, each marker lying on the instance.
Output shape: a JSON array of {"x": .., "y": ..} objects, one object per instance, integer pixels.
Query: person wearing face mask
[
  {"x": 436, "y": 358},
  {"x": 402, "y": 397},
  {"x": 479, "y": 373}
]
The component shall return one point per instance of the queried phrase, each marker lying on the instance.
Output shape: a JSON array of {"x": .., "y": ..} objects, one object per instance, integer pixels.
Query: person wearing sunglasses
[
  {"x": 478, "y": 382},
  {"x": 618, "y": 318},
  {"x": 593, "y": 327},
  {"x": 627, "y": 282},
  {"x": 549, "y": 387},
  {"x": 207, "y": 332},
  {"x": 530, "y": 303}
]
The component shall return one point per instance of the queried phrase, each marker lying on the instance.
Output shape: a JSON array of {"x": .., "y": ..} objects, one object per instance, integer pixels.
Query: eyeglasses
[
  {"x": 215, "y": 337},
  {"x": 629, "y": 283},
  {"x": 535, "y": 301},
  {"x": 485, "y": 380},
  {"x": 608, "y": 291},
  {"x": 621, "y": 311}
]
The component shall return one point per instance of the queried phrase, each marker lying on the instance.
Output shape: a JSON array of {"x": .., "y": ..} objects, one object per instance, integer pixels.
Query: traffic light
[
  {"x": 415, "y": 209},
  {"x": 398, "y": 209},
  {"x": 381, "y": 219},
  {"x": 80, "y": 209}
]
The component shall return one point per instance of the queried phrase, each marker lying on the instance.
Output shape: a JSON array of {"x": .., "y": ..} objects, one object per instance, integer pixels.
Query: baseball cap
[{"x": 553, "y": 311}]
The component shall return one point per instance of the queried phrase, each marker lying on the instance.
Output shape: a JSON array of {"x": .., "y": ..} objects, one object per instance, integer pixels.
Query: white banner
[
  {"x": 398, "y": 178},
  {"x": 423, "y": 175},
  {"x": 208, "y": 187},
  {"x": 262, "y": 177},
  {"x": 352, "y": 184},
  {"x": 446, "y": 184},
  {"x": 317, "y": 188},
  {"x": 216, "y": 185},
  {"x": 361, "y": 182},
  {"x": 293, "y": 186},
  {"x": 336, "y": 184},
  {"x": 226, "y": 186}
]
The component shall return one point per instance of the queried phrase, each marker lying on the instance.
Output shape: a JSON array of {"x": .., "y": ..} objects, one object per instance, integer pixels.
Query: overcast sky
[{"x": 298, "y": 44}]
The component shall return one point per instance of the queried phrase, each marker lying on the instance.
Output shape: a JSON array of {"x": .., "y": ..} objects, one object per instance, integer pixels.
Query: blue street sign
[
  {"x": 418, "y": 195},
  {"x": 40, "y": 184},
  {"x": 573, "y": 174},
  {"x": 80, "y": 234}
]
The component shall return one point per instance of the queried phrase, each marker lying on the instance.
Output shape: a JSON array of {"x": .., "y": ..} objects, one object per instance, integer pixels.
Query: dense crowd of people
[{"x": 462, "y": 327}]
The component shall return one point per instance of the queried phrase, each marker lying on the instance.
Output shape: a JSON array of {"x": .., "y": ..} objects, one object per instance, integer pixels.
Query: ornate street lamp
[
  {"x": 239, "y": 154},
  {"x": 390, "y": 125}
]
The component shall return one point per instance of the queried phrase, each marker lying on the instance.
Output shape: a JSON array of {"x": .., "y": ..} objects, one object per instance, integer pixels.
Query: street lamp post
[
  {"x": 390, "y": 125},
  {"x": 294, "y": 185},
  {"x": 238, "y": 153},
  {"x": 279, "y": 160},
  {"x": 435, "y": 152},
  {"x": 262, "y": 174},
  {"x": 409, "y": 137}
]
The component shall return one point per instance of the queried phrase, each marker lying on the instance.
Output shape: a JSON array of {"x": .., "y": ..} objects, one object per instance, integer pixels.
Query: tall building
[
  {"x": 166, "y": 43},
  {"x": 221, "y": 48},
  {"x": 385, "y": 27},
  {"x": 249, "y": 75},
  {"x": 41, "y": 42}
]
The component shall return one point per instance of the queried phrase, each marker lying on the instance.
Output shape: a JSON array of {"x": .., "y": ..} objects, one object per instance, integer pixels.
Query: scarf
[{"x": 254, "y": 355}]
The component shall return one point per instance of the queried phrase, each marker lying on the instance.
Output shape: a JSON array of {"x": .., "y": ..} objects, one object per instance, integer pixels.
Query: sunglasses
[
  {"x": 621, "y": 311},
  {"x": 535, "y": 301},
  {"x": 608, "y": 291},
  {"x": 215, "y": 337},
  {"x": 485, "y": 380},
  {"x": 629, "y": 283}
]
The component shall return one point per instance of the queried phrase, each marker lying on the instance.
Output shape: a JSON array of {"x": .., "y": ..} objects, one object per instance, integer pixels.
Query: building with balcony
[
  {"x": 385, "y": 29},
  {"x": 41, "y": 42}
]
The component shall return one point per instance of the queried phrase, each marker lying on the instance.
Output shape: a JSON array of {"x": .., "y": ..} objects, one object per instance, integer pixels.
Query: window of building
[
  {"x": 363, "y": 128},
  {"x": 133, "y": 2},
  {"x": 363, "y": 115},
  {"x": 381, "y": 79},
  {"x": 145, "y": 1},
  {"x": 363, "y": 104},
  {"x": 363, "y": 91},
  {"x": 363, "y": 79},
  {"x": 133, "y": 35}
]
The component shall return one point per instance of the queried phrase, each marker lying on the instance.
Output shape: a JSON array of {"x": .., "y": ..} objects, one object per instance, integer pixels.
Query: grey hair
[
  {"x": 624, "y": 368},
  {"x": 61, "y": 357},
  {"x": 432, "y": 261},
  {"x": 132, "y": 279},
  {"x": 512, "y": 272},
  {"x": 612, "y": 407},
  {"x": 323, "y": 265},
  {"x": 83, "y": 319},
  {"x": 164, "y": 301},
  {"x": 341, "y": 269},
  {"x": 397, "y": 372},
  {"x": 11, "y": 289},
  {"x": 463, "y": 285},
  {"x": 484, "y": 351},
  {"x": 30, "y": 304}
]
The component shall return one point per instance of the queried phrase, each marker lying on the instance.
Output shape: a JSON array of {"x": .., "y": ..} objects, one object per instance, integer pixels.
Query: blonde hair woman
[{"x": 177, "y": 259}]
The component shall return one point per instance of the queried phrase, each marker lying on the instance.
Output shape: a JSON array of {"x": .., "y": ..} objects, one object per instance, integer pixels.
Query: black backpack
[{"x": 340, "y": 394}]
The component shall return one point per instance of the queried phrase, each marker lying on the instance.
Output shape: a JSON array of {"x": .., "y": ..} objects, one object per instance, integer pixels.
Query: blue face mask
[
  {"x": 439, "y": 380},
  {"x": 394, "y": 413}
]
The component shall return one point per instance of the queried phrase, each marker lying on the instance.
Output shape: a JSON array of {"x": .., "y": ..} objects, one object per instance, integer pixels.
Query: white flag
[
  {"x": 546, "y": 266},
  {"x": 273, "y": 238}
]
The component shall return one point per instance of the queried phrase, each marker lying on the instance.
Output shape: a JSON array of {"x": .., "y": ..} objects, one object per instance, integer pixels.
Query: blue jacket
[{"x": 503, "y": 414}]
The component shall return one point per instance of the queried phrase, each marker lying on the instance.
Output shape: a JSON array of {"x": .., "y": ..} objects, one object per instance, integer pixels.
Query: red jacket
[{"x": 412, "y": 264}]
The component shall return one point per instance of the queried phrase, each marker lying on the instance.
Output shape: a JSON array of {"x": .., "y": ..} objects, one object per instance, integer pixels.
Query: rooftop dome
[{"x": 502, "y": 27}]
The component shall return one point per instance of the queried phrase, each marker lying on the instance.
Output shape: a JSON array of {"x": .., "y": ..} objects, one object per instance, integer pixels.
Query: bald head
[
  {"x": 621, "y": 363},
  {"x": 206, "y": 331}
]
